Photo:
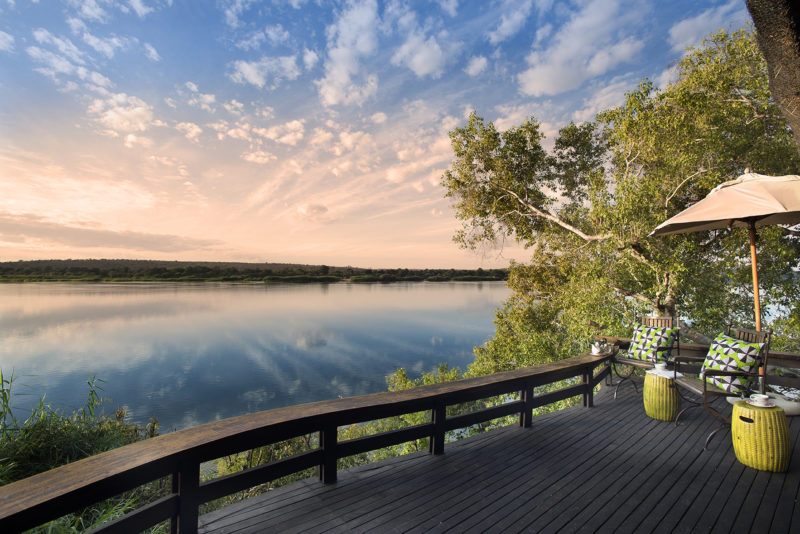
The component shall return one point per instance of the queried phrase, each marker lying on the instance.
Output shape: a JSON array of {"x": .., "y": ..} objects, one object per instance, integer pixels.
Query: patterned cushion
[
  {"x": 646, "y": 339},
  {"x": 730, "y": 354}
]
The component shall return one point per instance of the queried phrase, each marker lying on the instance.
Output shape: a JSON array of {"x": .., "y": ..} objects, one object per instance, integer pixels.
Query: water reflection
[{"x": 192, "y": 353}]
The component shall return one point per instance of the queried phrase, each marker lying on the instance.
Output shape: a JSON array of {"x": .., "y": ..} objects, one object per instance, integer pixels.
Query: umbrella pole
[{"x": 755, "y": 273}]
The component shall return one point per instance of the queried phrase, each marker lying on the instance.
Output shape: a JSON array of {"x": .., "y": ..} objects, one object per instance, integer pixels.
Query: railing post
[
  {"x": 188, "y": 493},
  {"x": 526, "y": 415},
  {"x": 438, "y": 416},
  {"x": 176, "y": 488},
  {"x": 328, "y": 437},
  {"x": 588, "y": 390}
]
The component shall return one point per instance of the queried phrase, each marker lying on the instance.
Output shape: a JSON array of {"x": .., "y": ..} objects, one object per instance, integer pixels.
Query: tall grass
[{"x": 48, "y": 438}]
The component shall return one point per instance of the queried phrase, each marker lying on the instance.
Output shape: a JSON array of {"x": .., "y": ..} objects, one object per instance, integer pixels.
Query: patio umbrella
[{"x": 749, "y": 201}]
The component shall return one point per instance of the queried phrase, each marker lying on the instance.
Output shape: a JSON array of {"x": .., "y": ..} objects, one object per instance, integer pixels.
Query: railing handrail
[{"x": 48, "y": 495}]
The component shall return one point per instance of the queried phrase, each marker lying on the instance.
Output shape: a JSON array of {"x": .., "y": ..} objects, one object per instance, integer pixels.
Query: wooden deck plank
[
  {"x": 608, "y": 468},
  {"x": 619, "y": 469},
  {"x": 790, "y": 491},
  {"x": 459, "y": 513},
  {"x": 483, "y": 505},
  {"x": 656, "y": 479},
  {"x": 653, "y": 486}
]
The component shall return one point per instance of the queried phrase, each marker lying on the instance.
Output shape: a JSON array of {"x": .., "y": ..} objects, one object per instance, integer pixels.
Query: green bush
[{"x": 48, "y": 438}]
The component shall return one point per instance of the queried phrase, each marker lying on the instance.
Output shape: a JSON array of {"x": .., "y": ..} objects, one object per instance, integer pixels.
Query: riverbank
[{"x": 155, "y": 271}]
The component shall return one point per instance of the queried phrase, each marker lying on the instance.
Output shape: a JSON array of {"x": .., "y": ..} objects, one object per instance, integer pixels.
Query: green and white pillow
[
  {"x": 646, "y": 339},
  {"x": 730, "y": 354}
]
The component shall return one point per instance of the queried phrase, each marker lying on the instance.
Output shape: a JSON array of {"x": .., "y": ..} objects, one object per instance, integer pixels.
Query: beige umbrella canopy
[{"x": 749, "y": 201}]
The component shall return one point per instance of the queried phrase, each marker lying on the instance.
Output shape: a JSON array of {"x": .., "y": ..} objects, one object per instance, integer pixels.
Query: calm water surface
[{"x": 188, "y": 354}]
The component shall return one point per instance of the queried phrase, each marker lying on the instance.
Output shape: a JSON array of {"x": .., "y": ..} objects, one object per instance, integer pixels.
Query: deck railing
[{"x": 46, "y": 496}]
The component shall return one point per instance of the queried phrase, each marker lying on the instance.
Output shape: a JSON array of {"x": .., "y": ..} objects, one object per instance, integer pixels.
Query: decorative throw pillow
[
  {"x": 646, "y": 339},
  {"x": 730, "y": 354}
]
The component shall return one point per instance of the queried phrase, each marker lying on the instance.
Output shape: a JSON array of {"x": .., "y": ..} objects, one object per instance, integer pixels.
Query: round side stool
[
  {"x": 661, "y": 400},
  {"x": 760, "y": 436}
]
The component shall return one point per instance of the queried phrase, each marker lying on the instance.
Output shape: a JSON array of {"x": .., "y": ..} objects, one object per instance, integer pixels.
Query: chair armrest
[
  {"x": 716, "y": 372},
  {"x": 689, "y": 361}
]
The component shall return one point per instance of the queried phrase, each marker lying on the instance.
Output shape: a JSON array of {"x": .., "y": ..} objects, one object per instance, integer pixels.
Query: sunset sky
[{"x": 292, "y": 130}]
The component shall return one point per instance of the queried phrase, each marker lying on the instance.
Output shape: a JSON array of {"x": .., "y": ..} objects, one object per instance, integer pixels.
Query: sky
[{"x": 295, "y": 131}]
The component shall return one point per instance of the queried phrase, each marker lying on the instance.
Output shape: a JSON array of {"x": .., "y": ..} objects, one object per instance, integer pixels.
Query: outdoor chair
[
  {"x": 652, "y": 342},
  {"x": 733, "y": 367}
]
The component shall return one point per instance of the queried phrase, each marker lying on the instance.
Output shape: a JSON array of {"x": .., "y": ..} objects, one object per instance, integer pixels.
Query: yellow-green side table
[
  {"x": 760, "y": 436},
  {"x": 661, "y": 400}
]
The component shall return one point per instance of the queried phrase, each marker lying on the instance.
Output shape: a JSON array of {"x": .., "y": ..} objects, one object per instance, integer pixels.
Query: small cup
[
  {"x": 759, "y": 399},
  {"x": 661, "y": 366}
]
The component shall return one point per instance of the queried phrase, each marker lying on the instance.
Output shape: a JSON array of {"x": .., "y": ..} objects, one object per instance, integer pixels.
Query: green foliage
[
  {"x": 586, "y": 210},
  {"x": 47, "y": 439}
]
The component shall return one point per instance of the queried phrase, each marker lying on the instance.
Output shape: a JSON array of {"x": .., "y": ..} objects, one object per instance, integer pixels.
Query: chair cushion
[
  {"x": 646, "y": 339},
  {"x": 730, "y": 354}
]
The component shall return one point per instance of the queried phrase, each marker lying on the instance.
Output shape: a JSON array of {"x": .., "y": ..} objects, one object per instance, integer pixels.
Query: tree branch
[
  {"x": 634, "y": 294},
  {"x": 536, "y": 212},
  {"x": 675, "y": 192}
]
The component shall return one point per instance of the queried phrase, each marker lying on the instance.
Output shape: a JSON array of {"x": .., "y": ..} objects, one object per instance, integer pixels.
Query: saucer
[{"x": 765, "y": 405}]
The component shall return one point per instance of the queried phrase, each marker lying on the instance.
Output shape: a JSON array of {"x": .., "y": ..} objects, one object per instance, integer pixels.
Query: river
[{"x": 188, "y": 354}]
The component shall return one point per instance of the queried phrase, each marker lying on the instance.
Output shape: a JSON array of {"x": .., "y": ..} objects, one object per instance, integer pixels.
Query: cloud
[
  {"x": 151, "y": 53},
  {"x": 203, "y": 101},
  {"x": 476, "y": 65},
  {"x": 234, "y": 106},
  {"x": 6, "y": 42},
  {"x": 133, "y": 140},
  {"x": 310, "y": 58},
  {"x": 260, "y": 72},
  {"x": 289, "y": 133},
  {"x": 313, "y": 212},
  {"x": 189, "y": 129},
  {"x": 590, "y": 44},
  {"x": 378, "y": 118},
  {"x": 55, "y": 65},
  {"x": 21, "y": 228},
  {"x": 252, "y": 42},
  {"x": 276, "y": 34},
  {"x": 123, "y": 113},
  {"x": 89, "y": 9},
  {"x": 233, "y": 9},
  {"x": 612, "y": 95},
  {"x": 449, "y": 6},
  {"x": 140, "y": 8},
  {"x": 667, "y": 76},
  {"x": 421, "y": 55},
  {"x": 515, "y": 13},
  {"x": 106, "y": 46},
  {"x": 259, "y": 156},
  {"x": 350, "y": 38},
  {"x": 691, "y": 31},
  {"x": 64, "y": 46}
]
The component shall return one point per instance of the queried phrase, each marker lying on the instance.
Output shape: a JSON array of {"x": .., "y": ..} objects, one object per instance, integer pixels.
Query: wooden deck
[{"x": 604, "y": 469}]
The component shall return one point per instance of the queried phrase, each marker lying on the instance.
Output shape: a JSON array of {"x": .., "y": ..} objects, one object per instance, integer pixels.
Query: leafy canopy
[{"x": 586, "y": 209}]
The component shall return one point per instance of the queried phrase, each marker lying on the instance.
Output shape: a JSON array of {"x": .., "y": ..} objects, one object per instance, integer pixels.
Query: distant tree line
[{"x": 148, "y": 271}]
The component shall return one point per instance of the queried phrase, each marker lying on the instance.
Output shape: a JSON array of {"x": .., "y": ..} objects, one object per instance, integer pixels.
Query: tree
[
  {"x": 778, "y": 25},
  {"x": 586, "y": 209}
]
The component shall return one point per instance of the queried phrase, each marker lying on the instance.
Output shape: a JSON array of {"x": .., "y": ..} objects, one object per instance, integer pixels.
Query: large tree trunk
[{"x": 778, "y": 33}]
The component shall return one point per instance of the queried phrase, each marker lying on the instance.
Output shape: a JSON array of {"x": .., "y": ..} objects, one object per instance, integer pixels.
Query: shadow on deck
[{"x": 606, "y": 469}]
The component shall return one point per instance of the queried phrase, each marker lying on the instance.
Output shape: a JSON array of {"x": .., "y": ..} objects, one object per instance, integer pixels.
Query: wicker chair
[
  {"x": 621, "y": 358},
  {"x": 700, "y": 393}
]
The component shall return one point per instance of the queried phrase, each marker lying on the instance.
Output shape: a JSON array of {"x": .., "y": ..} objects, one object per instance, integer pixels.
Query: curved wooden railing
[{"x": 46, "y": 496}]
